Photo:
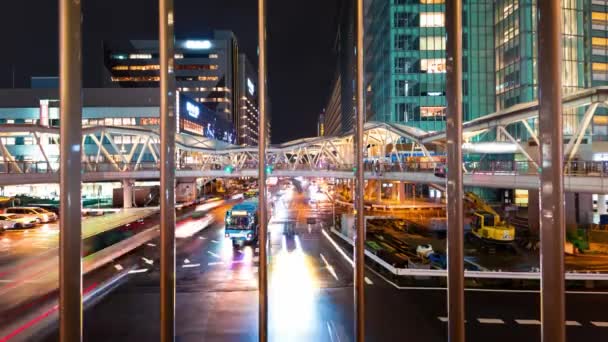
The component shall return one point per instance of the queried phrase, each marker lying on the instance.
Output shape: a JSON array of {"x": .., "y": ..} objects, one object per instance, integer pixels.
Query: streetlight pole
[
  {"x": 552, "y": 221},
  {"x": 167, "y": 171},
  {"x": 70, "y": 237},
  {"x": 262, "y": 234},
  {"x": 455, "y": 192},
  {"x": 359, "y": 253}
]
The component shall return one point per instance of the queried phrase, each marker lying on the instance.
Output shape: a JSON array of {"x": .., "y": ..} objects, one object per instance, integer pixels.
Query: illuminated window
[
  {"x": 600, "y": 66},
  {"x": 179, "y": 56},
  {"x": 432, "y": 112},
  {"x": 599, "y": 16},
  {"x": 149, "y": 121},
  {"x": 432, "y": 43},
  {"x": 213, "y": 55},
  {"x": 140, "y": 56},
  {"x": 120, "y": 67},
  {"x": 144, "y": 67},
  {"x": 136, "y": 79},
  {"x": 432, "y": 65},
  {"x": 28, "y": 140},
  {"x": 10, "y": 121},
  {"x": 196, "y": 67},
  {"x": 8, "y": 141},
  {"x": 600, "y": 42},
  {"x": 431, "y": 2},
  {"x": 108, "y": 121},
  {"x": 118, "y": 56},
  {"x": 431, "y": 19}
]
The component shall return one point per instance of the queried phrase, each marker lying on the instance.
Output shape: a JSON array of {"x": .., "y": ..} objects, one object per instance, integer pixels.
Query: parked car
[
  {"x": 14, "y": 221},
  {"x": 36, "y": 213}
]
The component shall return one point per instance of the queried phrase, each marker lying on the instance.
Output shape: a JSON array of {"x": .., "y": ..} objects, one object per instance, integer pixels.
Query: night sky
[{"x": 301, "y": 35}]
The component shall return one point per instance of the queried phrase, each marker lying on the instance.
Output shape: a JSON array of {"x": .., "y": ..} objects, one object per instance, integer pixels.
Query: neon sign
[{"x": 193, "y": 110}]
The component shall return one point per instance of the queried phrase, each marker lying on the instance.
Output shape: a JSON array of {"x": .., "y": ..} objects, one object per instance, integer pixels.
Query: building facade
[
  {"x": 210, "y": 71},
  {"x": 405, "y": 57}
]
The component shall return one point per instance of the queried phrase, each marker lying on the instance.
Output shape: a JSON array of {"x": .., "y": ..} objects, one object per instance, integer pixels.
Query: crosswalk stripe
[
  {"x": 600, "y": 324},
  {"x": 490, "y": 321},
  {"x": 573, "y": 323},
  {"x": 528, "y": 321}
]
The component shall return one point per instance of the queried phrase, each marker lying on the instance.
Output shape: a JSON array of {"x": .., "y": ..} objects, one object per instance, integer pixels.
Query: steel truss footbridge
[{"x": 111, "y": 153}]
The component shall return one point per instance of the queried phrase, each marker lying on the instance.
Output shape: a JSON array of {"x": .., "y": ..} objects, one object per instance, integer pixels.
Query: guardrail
[
  {"x": 572, "y": 168},
  {"x": 469, "y": 274}
]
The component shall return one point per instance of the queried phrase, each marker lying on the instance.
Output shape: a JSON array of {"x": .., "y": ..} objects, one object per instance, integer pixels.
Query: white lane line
[
  {"x": 329, "y": 268},
  {"x": 528, "y": 321},
  {"x": 190, "y": 265},
  {"x": 138, "y": 271},
  {"x": 147, "y": 261},
  {"x": 443, "y": 319},
  {"x": 213, "y": 254},
  {"x": 215, "y": 263},
  {"x": 573, "y": 323},
  {"x": 118, "y": 267},
  {"x": 490, "y": 321},
  {"x": 600, "y": 324},
  {"x": 369, "y": 281},
  {"x": 151, "y": 244},
  {"x": 338, "y": 248},
  {"x": 215, "y": 241}
]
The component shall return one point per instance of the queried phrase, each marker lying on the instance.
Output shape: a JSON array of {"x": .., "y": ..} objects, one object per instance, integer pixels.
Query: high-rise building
[
  {"x": 340, "y": 114},
  {"x": 406, "y": 65},
  {"x": 321, "y": 124},
  {"x": 211, "y": 71},
  {"x": 599, "y": 60}
]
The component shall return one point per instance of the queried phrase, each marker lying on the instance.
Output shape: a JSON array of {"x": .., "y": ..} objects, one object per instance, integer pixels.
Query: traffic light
[{"x": 268, "y": 169}]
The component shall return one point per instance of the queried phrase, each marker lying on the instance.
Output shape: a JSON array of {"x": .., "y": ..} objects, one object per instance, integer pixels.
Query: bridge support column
[
  {"x": 601, "y": 204},
  {"x": 127, "y": 193},
  {"x": 534, "y": 211},
  {"x": 579, "y": 209},
  {"x": 401, "y": 191}
]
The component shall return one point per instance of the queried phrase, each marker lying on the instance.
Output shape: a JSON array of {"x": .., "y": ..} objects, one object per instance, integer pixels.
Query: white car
[
  {"x": 14, "y": 221},
  {"x": 38, "y": 214}
]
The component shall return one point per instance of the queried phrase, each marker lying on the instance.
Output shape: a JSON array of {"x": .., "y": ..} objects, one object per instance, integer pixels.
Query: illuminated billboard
[{"x": 194, "y": 118}]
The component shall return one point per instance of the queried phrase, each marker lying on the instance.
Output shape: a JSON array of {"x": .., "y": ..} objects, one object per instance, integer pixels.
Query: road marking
[
  {"x": 528, "y": 321},
  {"x": 151, "y": 244},
  {"x": 329, "y": 268},
  {"x": 600, "y": 324},
  {"x": 215, "y": 263},
  {"x": 369, "y": 281},
  {"x": 190, "y": 265},
  {"x": 138, "y": 271},
  {"x": 118, "y": 267},
  {"x": 443, "y": 319},
  {"x": 147, "y": 261},
  {"x": 573, "y": 323},
  {"x": 213, "y": 254},
  {"x": 338, "y": 247},
  {"x": 186, "y": 261},
  {"x": 490, "y": 321},
  {"x": 215, "y": 241}
]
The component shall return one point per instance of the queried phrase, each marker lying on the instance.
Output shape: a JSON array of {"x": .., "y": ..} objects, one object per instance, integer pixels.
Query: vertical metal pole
[
  {"x": 262, "y": 233},
  {"x": 455, "y": 214},
  {"x": 167, "y": 171},
  {"x": 70, "y": 237},
  {"x": 359, "y": 286},
  {"x": 552, "y": 222}
]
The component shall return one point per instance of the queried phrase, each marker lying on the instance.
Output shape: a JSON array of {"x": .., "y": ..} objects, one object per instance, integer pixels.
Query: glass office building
[{"x": 406, "y": 63}]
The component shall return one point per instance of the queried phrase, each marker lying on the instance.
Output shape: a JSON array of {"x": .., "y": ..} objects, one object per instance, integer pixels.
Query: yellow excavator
[{"x": 486, "y": 224}]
